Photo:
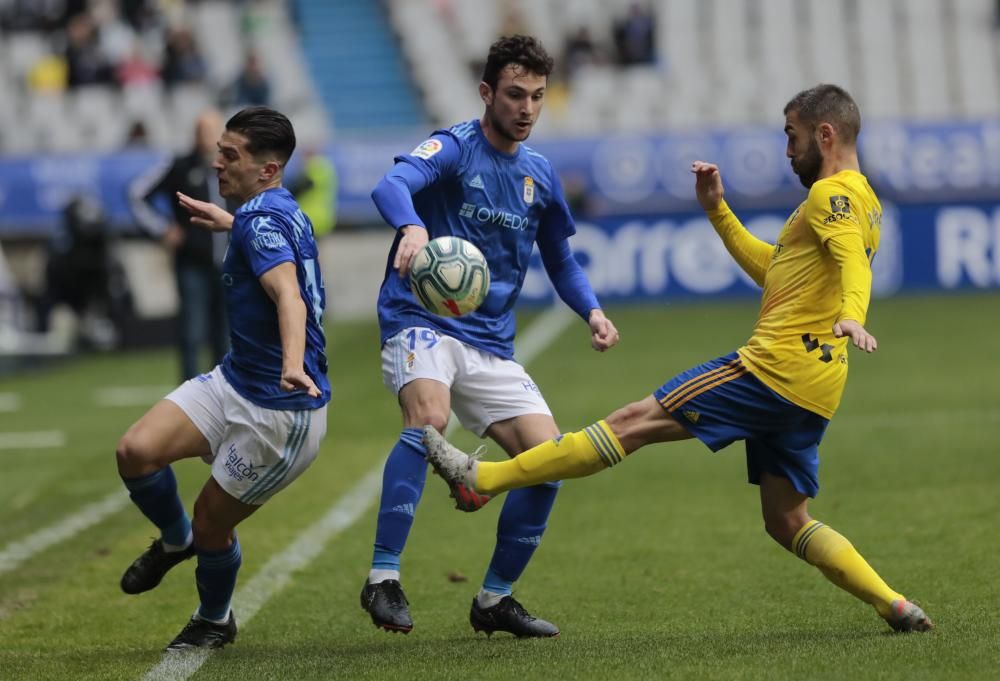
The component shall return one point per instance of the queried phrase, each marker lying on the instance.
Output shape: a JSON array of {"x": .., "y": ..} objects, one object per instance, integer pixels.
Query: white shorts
[
  {"x": 256, "y": 451},
  {"x": 484, "y": 388}
]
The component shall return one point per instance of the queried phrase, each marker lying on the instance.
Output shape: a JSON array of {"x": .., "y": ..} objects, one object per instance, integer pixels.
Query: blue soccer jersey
[
  {"x": 268, "y": 230},
  {"x": 503, "y": 203}
]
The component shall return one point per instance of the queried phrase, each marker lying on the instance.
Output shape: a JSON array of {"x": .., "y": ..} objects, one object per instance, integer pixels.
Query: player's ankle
[{"x": 376, "y": 575}]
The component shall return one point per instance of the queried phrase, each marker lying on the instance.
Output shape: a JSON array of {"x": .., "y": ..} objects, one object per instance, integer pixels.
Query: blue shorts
[{"x": 720, "y": 402}]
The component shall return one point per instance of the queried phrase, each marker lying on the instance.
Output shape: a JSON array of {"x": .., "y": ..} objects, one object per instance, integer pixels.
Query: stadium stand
[
  {"x": 79, "y": 80},
  {"x": 357, "y": 65},
  {"x": 331, "y": 65},
  {"x": 920, "y": 60}
]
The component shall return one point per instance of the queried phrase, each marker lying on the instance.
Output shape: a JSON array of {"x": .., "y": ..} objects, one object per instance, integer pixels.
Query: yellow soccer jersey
[{"x": 817, "y": 274}]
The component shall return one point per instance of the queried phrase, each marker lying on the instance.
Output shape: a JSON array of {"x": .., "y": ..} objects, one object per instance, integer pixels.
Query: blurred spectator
[
  {"x": 135, "y": 70},
  {"x": 137, "y": 137},
  {"x": 635, "y": 37},
  {"x": 115, "y": 37},
  {"x": 251, "y": 87},
  {"x": 81, "y": 273},
  {"x": 142, "y": 15},
  {"x": 10, "y": 300},
  {"x": 578, "y": 51},
  {"x": 182, "y": 62},
  {"x": 578, "y": 199},
  {"x": 31, "y": 15},
  {"x": 48, "y": 74},
  {"x": 197, "y": 252},
  {"x": 513, "y": 21},
  {"x": 84, "y": 59},
  {"x": 316, "y": 191},
  {"x": 72, "y": 8}
]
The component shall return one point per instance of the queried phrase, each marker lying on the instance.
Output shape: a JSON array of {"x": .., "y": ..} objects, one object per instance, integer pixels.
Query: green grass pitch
[{"x": 658, "y": 569}]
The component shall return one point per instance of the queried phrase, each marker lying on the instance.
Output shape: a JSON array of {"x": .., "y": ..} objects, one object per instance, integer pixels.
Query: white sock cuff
[{"x": 376, "y": 575}]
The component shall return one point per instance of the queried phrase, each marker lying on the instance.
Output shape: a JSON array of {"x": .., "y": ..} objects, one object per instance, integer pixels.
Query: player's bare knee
[{"x": 134, "y": 455}]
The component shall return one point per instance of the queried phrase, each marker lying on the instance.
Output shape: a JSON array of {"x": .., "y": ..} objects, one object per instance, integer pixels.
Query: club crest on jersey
[
  {"x": 426, "y": 149},
  {"x": 529, "y": 189},
  {"x": 840, "y": 204}
]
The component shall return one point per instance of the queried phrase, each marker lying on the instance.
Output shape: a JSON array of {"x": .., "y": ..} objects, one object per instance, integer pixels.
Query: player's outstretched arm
[
  {"x": 282, "y": 286},
  {"x": 853, "y": 330},
  {"x": 603, "y": 334},
  {"x": 571, "y": 283},
  {"x": 205, "y": 214},
  {"x": 751, "y": 253}
]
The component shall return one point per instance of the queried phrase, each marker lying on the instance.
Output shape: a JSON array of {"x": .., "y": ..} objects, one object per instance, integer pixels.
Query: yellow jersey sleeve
[
  {"x": 831, "y": 209},
  {"x": 749, "y": 252}
]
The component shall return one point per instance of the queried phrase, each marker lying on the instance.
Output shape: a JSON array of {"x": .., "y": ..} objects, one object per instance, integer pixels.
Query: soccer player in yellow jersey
[{"x": 777, "y": 392}]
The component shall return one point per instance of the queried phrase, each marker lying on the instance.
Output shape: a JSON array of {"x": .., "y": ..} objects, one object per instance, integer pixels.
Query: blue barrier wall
[
  {"x": 924, "y": 247},
  {"x": 644, "y": 235}
]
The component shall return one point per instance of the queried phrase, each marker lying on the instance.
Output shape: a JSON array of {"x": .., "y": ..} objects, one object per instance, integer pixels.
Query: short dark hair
[
  {"x": 266, "y": 130},
  {"x": 523, "y": 50},
  {"x": 827, "y": 103}
]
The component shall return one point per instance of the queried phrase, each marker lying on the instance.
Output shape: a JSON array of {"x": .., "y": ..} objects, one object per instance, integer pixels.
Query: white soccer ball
[{"x": 449, "y": 276}]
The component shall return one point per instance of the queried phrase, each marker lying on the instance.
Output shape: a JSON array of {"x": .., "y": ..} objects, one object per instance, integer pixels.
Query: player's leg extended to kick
[
  {"x": 145, "y": 453},
  {"x": 573, "y": 455},
  {"x": 787, "y": 521},
  {"x": 423, "y": 402},
  {"x": 520, "y": 528}
]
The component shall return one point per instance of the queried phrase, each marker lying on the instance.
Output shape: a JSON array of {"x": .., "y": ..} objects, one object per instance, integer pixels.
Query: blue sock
[
  {"x": 519, "y": 532},
  {"x": 156, "y": 496},
  {"x": 402, "y": 484},
  {"x": 216, "y": 577}
]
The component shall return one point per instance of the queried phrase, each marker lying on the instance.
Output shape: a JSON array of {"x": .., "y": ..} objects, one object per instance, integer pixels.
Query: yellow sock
[
  {"x": 574, "y": 455},
  {"x": 840, "y": 562}
]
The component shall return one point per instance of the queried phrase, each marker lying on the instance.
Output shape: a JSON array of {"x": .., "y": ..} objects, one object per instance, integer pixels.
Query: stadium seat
[
  {"x": 98, "y": 112},
  {"x": 879, "y": 93},
  {"x": 975, "y": 52},
  {"x": 216, "y": 25},
  {"x": 23, "y": 51},
  {"x": 831, "y": 36},
  {"x": 927, "y": 71}
]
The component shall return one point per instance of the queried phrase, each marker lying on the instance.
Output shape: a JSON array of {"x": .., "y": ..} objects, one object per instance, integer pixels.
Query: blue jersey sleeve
[
  {"x": 434, "y": 159},
  {"x": 567, "y": 276},
  {"x": 262, "y": 241},
  {"x": 564, "y": 271}
]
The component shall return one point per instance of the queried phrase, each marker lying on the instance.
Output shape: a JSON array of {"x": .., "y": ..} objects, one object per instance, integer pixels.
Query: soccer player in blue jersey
[
  {"x": 477, "y": 181},
  {"x": 258, "y": 417}
]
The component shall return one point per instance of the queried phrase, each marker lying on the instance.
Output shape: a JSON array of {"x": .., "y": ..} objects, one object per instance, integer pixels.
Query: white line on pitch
[
  {"x": 17, "y": 552},
  {"x": 38, "y": 439},
  {"x": 9, "y": 402},
  {"x": 130, "y": 396},
  {"x": 276, "y": 574}
]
